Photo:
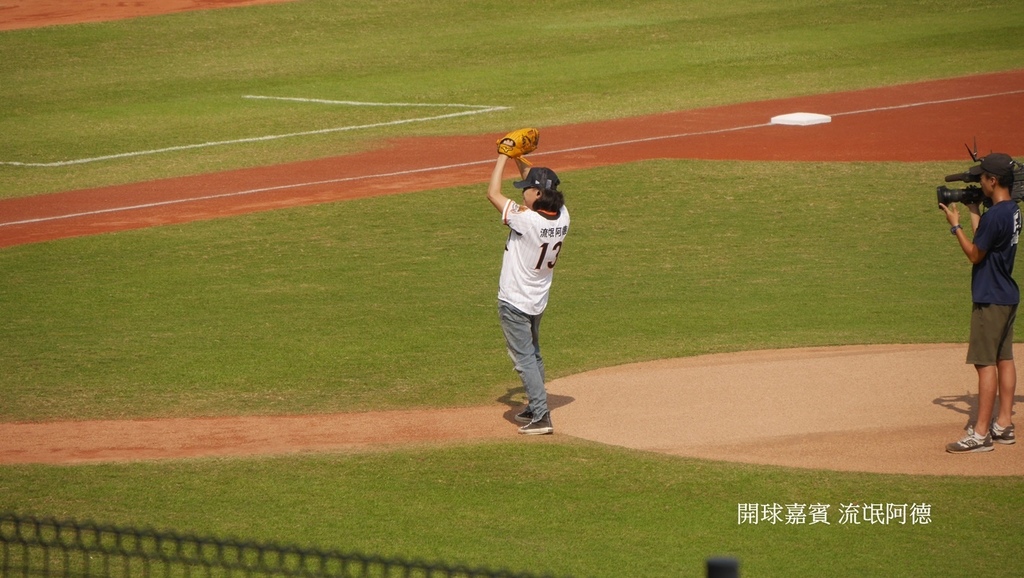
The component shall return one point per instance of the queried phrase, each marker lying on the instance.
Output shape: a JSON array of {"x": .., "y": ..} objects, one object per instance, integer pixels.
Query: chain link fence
[{"x": 47, "y": 547}]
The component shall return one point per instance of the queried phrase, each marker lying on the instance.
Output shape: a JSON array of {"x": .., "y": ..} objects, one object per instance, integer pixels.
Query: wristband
[{"x": 953, "y": 229}]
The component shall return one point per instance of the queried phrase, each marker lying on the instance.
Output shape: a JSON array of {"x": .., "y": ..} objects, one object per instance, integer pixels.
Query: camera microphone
[{"x": 964, "y": 177}]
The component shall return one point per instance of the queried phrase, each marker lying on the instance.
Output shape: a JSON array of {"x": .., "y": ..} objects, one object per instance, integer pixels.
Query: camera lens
[{"x": 948, "y": 196}]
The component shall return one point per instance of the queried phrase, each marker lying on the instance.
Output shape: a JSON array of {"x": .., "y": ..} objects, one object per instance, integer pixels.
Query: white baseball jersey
[{"x": 531, "y": 251}]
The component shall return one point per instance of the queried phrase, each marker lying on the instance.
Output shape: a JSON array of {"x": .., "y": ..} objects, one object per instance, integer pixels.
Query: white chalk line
[
  {"x": 929, "y": 102},
  {"x": 242, "y": 193},
  {"x": 357, "y": 103},
  {"x": 477, "y": 109},
  {"x": 474, "y": 163},
  {"x": 762, "y": 125},
  {"x": 358, "y": 178}
]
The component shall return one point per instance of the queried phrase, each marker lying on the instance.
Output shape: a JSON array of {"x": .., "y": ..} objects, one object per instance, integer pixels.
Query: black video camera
[{"x": 971, "y": 195}]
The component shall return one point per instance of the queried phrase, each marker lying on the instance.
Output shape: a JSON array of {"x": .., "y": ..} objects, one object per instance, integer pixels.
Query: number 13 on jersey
[{"x": 555, "y": 249}]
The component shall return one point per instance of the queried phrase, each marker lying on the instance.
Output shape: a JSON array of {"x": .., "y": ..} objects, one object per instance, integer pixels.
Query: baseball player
[{"x": 537, "y": 230}]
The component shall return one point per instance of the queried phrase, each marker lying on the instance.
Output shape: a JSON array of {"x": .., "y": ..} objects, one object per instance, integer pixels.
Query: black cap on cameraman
[
  {"x": 538, "y": 178},
  {"x": 998, "y": 164}
]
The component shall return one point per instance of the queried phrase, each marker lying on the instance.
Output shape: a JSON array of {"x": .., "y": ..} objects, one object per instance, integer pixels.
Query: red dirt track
[
  {"x": 916, "y": 122},
  {"x": 927, "y": 121},
  {"x": 15, "y": 14}
]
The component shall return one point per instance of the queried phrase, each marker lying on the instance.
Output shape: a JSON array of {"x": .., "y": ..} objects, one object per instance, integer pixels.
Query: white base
[{"x": 801, "y": 118}]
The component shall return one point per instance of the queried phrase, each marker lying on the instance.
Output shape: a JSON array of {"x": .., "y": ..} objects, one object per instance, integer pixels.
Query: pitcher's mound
[
  {"x": 888, "y": 409},
  {"x": 885, "y": 409}
]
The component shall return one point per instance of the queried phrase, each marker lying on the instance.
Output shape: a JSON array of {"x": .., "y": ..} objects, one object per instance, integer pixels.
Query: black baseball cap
[
  {"x": 538, "y": 178},
  {"x": 998, "y": 164}
]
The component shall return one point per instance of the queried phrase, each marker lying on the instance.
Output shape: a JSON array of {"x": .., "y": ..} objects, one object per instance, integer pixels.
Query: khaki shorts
[{"x": 991, "y": 333}]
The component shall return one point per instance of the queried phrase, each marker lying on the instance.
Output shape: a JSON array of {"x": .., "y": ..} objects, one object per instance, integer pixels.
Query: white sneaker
[
  {"x": 971, "y": 442},
  {"x": 1003, "y": 435}
]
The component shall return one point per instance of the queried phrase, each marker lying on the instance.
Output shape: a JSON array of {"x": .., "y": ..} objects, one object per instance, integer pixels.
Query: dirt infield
[
  {"x": 884, "y": 409},
  {"x": 15, "y": 14},
  {"x": 918, "y": 122}
]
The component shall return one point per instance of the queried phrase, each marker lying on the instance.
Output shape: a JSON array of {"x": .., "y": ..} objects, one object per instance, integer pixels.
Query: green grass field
[{"x": 301, "y": 311}]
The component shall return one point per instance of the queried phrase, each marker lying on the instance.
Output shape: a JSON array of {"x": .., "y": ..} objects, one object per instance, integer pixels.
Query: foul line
[
  {"x": 929, "y": 102},
  {"x": 762, "y": 125},
  {"x": 482, "y": 162},
  {"x": 477, "y": 109},
  {"x": 242, "y": 193}
]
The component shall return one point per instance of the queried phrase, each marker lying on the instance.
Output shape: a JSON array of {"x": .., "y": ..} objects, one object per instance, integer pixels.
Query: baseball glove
[{"x": 519, "y": 142}]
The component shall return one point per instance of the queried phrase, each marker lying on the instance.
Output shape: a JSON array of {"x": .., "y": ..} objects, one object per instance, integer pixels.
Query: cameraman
[{"x": 995, "y": 295}]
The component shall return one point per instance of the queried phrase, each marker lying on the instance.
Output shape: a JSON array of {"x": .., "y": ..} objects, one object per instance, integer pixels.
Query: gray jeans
[{"x": 522, "y": 336}]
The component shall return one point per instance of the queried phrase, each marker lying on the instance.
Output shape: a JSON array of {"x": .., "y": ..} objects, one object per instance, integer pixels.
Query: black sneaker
[
  {"x": 1003, "y": 435},
  {"x": 525, "y": 416},
  {"x": 539, "y": 426}
]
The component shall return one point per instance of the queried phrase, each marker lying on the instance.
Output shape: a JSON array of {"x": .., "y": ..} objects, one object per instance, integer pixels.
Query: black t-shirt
[{"x": 992, "y": 279}]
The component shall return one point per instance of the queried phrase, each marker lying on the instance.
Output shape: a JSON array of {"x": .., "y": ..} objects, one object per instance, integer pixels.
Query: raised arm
[
  {"x": 523, "y": 167},
  {"x": 494, "y": 187},
  {"x": 974, "y": 254}
]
